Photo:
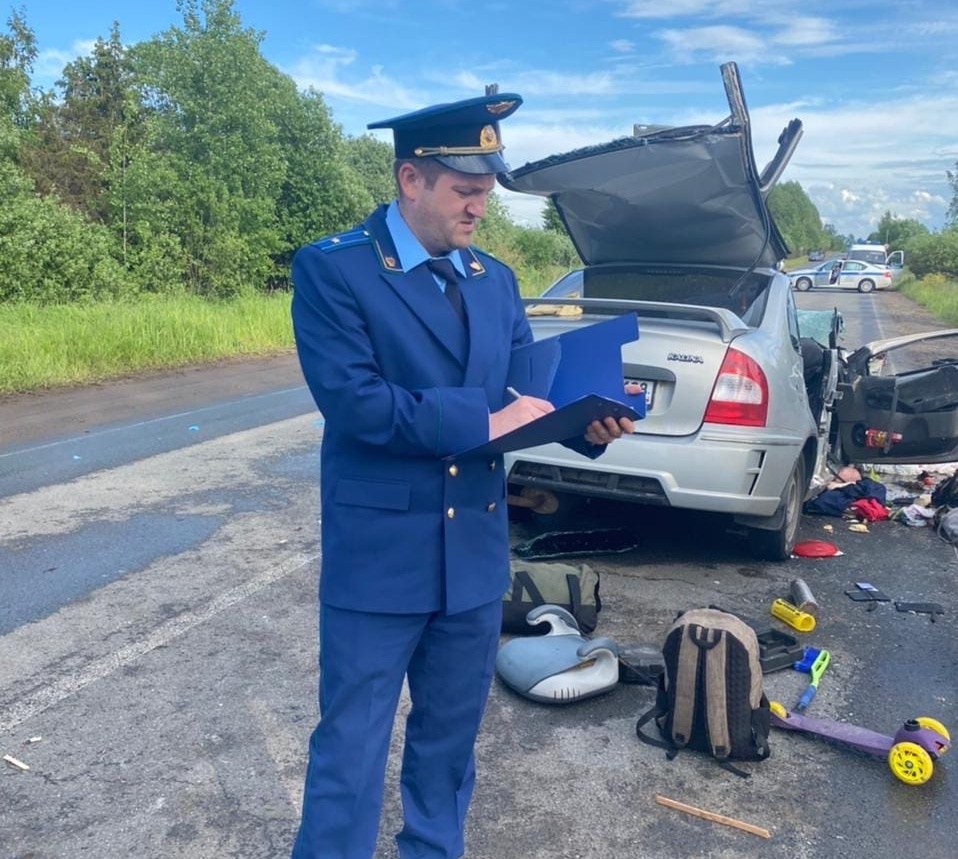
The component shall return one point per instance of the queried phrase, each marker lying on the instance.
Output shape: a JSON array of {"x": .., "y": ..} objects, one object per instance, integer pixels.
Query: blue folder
[{"x": 580, "y": 373}]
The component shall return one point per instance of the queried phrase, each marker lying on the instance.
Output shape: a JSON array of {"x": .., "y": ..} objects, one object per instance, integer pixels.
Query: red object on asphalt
[{"x": 815, "y": 549}]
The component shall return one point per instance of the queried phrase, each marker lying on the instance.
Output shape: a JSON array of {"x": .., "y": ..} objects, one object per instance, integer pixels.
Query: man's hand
[
  {"x": 518, "y": 413},
  {"x": 608, "y": 430}
]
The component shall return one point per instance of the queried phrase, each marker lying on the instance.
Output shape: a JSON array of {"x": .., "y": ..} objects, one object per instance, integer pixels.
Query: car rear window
[{"x": 700, "y": 287}]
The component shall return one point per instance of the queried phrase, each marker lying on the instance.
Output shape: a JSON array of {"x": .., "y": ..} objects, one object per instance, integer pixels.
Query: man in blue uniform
[{"x": 404, "y": 332}]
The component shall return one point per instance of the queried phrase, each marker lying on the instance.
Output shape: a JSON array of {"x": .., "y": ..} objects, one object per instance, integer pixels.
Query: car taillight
[{"x": 740, "y": 394}]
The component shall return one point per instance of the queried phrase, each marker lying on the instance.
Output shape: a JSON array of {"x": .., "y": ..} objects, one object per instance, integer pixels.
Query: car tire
[
  {"x": 866, "y": 285},
  {"x": 777, "y": 544},
  {"x": 803, "y": 284}
]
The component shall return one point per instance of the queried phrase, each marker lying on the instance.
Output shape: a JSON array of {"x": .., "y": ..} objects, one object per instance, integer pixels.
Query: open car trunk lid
[{"x": 689, "y": 195}]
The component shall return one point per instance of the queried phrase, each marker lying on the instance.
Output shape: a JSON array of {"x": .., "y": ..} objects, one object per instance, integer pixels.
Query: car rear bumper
[{"x": 717, "y": 470}]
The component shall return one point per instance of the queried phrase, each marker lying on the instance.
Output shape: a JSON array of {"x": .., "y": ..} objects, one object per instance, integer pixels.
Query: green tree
[
  {"x": 896, "y": 232},
  {"x": 551, "y": 219},
  {"x": 82, "y": 136},
  {"x": 934, "y": 253},
  {"x": 48, "y": 254},
  {"x": 322, "y": 190},
  {"x": 18, "y": 51},
  {"x": 797, "y": 218},
  {"x": 952, "y": 216},
  {"x": 372, "y": 159},
  {"x": 835, "y": 241},
  {"x": 209, "y": 93}
]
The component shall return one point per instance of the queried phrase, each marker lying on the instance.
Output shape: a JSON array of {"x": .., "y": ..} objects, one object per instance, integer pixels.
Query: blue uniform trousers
[{"x": 449, "y": 661}]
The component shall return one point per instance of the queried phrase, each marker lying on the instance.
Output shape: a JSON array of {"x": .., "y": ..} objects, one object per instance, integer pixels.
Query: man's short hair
[{"x": 430, "y": 169}]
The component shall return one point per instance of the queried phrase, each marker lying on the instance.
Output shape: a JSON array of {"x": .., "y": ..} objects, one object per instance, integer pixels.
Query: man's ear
[{"x": 410, "y": 180}]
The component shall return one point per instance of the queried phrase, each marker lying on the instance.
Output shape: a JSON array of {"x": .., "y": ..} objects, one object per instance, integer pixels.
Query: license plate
[{"x": 648, "y": 387}]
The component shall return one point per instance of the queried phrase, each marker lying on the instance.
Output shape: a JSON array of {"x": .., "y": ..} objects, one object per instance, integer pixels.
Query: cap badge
[
  {"x": 488, "y": 138},
  {"x": 498, "y": 107}
]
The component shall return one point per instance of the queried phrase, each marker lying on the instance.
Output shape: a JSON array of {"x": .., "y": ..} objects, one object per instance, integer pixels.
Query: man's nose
[{"x": 476, "y": 208}]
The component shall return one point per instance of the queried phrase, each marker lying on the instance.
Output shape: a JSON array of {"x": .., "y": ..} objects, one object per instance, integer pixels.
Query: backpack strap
[
  {"x": 575, "y": 593},
  {"x": 524, "y": 582},
  {"x": 715, "y": 699},
  {"x": 686, "y": 672},
  {"x": 654, "y": 712}
]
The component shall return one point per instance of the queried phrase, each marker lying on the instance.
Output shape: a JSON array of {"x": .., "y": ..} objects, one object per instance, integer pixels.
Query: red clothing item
[{"x": 868, "y": 509}]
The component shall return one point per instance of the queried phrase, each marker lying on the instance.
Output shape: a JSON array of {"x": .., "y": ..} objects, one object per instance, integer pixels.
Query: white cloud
[
  {"x": 322, "y": 69},
  {"x": 49, "y": 64},
  {"x": 806, "y": 31},
  {"x": 718, "y": 43},
  {"x": 684, "y": 8}
]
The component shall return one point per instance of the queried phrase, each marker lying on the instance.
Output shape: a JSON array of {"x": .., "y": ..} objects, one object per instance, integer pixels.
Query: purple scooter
[{"x": 909, "y": 753}]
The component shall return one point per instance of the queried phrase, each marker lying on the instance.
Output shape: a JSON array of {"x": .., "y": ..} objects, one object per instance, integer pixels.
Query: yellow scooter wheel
[
  {"x": 779, "y": 710},
  {"x": 934, "y": 725},
  {"x": 910, "y": 763}
]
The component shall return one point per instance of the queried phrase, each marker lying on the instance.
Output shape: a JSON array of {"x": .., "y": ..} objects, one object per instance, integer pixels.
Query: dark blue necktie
[{"x": 444, "y": 269}]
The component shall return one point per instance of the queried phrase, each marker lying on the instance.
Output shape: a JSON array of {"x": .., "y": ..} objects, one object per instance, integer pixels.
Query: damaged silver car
[{"x": 742, "y": 410}]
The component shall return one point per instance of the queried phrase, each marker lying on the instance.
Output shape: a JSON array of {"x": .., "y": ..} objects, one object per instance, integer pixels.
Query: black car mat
[
  {"x": 920, "y": 607},
  {"x": 566, "y": 544}
]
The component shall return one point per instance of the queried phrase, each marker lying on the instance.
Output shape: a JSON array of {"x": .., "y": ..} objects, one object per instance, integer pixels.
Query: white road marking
[{"x": 65, "y": 686}]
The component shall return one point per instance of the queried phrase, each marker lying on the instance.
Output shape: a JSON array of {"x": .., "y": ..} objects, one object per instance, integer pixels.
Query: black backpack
[
  {"x": 946, "y": 492},
  {"x": 710, "y": 696}
]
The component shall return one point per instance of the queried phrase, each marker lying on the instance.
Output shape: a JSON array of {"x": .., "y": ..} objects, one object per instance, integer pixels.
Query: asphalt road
[{"x": 158, "y": 556}]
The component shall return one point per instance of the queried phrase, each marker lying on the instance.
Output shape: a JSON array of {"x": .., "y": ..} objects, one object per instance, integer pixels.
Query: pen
[{"x": 513, "y": 392}]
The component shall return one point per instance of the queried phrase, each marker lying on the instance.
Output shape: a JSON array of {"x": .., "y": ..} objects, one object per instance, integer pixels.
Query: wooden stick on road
[{"x": 711, "y": 815}]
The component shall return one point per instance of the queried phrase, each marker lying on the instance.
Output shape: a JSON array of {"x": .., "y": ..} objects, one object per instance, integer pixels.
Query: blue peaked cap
[{"x": 462, "y": 135}]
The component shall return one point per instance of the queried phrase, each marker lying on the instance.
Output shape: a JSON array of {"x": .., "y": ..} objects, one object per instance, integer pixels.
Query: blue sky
[{"x": 876, "y": 84}]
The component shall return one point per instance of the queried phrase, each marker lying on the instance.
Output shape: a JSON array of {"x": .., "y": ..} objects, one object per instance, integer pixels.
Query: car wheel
[
  {"x": 803, "y": 284},
  {"x": 777, "y": 544},
  {"x": 866, "y": 285}
]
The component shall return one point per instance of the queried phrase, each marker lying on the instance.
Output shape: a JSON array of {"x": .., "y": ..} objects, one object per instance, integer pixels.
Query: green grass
[
  {"x": 934, "y": 292},
  {"x": 44, "y": 347},
  {"x": 47, "y": 347}
]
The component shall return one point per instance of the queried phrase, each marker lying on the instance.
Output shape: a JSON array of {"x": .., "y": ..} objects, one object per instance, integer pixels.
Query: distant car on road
[
  {"x": 842, "y": 274},
  {"x": 816, "y": 256}
]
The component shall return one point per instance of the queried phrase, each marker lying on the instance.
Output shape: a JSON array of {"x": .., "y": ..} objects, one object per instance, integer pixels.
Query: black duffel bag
[{"x": 574, "y": 588}]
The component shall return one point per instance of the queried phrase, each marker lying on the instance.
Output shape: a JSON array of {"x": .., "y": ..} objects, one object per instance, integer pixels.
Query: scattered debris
[
  {"x": 858, "y": 528},
  {"x": 931, "y": 608},
  {"x": 791, "y": 615},
  {"x": 802, "y": 597},
  {"x": 915, "y": 515},
  {"x": 711, "y": 815},
  {"x": 867, "y": 592},
  {"x": 14, "y": 762},
  {"x": 565, "y": 544},
  {"x": 815, "y": 549}
]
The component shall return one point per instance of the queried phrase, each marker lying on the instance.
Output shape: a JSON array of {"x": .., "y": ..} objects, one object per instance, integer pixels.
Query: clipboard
[
  {"x": 580, "y": 373},
  {"x": 582, "y": 361},
  {"x": 568, "y": 422}
]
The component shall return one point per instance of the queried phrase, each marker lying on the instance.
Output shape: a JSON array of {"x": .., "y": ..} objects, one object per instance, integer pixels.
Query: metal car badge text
[{"x": 685, "y": 359}]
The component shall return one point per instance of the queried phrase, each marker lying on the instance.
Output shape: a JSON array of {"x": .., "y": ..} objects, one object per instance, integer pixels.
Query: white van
[{"x": 877, "y": 254}]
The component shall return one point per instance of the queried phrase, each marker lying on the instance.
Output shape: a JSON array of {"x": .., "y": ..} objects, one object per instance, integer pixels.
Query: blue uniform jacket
[{"x": 401, "y": 385}]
